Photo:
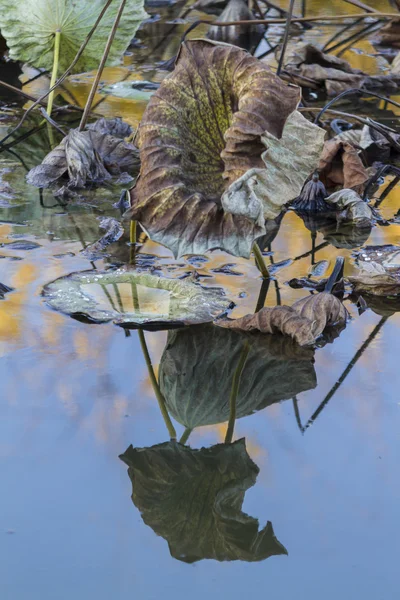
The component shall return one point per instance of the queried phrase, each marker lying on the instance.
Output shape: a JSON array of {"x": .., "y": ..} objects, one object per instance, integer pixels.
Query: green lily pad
[
  {"x": 29, "y": 28},
  {"x": 198, "y": 365},
  {"x": 134, "y": 299},
  {"x": 193, "y": 499}
]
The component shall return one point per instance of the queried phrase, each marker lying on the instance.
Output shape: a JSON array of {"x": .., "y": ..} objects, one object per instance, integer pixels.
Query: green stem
[
  {"x": 262, "y": 267},
  {"x": 185, "y": 435},
  {"x": 234, "y": 392},
  {"x": 154, "y": 383},
  {"x": 57, "y": 40}
]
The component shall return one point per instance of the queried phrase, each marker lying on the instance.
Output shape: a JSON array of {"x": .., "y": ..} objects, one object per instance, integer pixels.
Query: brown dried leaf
[
  {"x": 87, "y": 156},
  {"x": 201, "y": 131},
  {"x": 304, "y": 321},
  {"x": 340, "y": 165},
  {"x": 308, "y": 63}
]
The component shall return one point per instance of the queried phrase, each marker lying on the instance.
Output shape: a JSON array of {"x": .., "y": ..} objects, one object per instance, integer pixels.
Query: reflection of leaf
[
  {"x": 198, "y": 365},
  {"x": 205, "y": 127},
  {"x": 244, "y": 36},
  {"x": 304, "y": 321},
  {"x": 30, "y": 26},
  {"x": 87, "y": 156},
  {"x": 132, "y": 298},
  {"x": 193, "y": 499}
]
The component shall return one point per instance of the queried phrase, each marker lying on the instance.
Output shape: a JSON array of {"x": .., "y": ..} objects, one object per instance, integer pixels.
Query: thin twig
[
  {"x": 52, "y": 122},
  {"x": 285, "y": 37},
  {"x": 353, "y": 91},
  {"x": 359, "y": 4},
  {"x": 341, "y": 32},
  {"x": 101, "y": 66},
  {"x": 355, "y": 37}
]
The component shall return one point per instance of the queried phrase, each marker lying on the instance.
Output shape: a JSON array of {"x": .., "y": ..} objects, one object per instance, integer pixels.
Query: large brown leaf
[
  {"x": 202, "y": 130},
  {"x": 304, "y": 321}
]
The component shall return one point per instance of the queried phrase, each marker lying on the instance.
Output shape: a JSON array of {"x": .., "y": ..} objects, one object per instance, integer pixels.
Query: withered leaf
[
  {"x": 87, "y": 156},
  {"x": 341, "y": 165},
  {"x": 203, "y": 130},
  {"x": 304, "y": 321},
  {"x": 353, "y": 207},
  {"x": 308, "y": 65},
  {"x": 116, "y": 127}
]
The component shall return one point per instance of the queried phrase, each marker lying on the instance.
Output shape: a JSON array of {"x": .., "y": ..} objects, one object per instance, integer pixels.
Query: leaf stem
[
  {"x": 53, "y": 79},
  {"x": 103, "y": 60},
  {"x": 156, "y": 388},
  {"x": 234, "y": 392},
  {"x": 285, "y": 37},
  {"x": 185, "y": 435},
  {"x": 262, "y": 267}
]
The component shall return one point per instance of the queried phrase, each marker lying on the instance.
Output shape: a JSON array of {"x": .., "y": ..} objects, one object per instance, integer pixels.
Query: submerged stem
[
  {"x": 262, "y": 267},
  {"x": 155, "y": 386},
  {"x": 234, "y": 392},
  {"x": 53, "y": 79}
]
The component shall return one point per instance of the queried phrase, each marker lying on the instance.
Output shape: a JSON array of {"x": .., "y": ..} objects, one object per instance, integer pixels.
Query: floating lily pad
[
  {"x": 134, "y": 299},
  {"x": 193, "y": 499},
  {"x": 198, "y": 365}
]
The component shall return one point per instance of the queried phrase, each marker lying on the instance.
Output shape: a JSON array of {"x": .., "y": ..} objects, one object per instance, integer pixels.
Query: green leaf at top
[
  {"x": 193, "y": 499},
  {"x": 29, "y": 27}
]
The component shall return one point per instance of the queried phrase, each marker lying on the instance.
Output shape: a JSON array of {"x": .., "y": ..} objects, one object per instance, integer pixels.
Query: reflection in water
[
  {"x": 193, "y": 499},
  {"x": 198, "y": 365}
]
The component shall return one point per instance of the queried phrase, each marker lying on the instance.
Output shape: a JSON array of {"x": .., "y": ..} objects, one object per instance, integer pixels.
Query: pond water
[{"x": 322, "y": 428}]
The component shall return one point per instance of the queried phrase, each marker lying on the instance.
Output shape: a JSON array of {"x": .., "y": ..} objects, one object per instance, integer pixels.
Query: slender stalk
[
  {"x": 53, "y": 79},
  {"x": 156, "y": 388},
  {"x": 234, "y": 392},
  {"x": 285, "y": 37},
  {"x": 359, "y": 4},
  {"x": 185, "y": 435},
  {"x": 133, "y": 232},
  {"x": 262, "y": 296},
  {"x": 343, "y": 376},
  {"x": 101, "y": 66},
  {"x": 262, "y": 267}
]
